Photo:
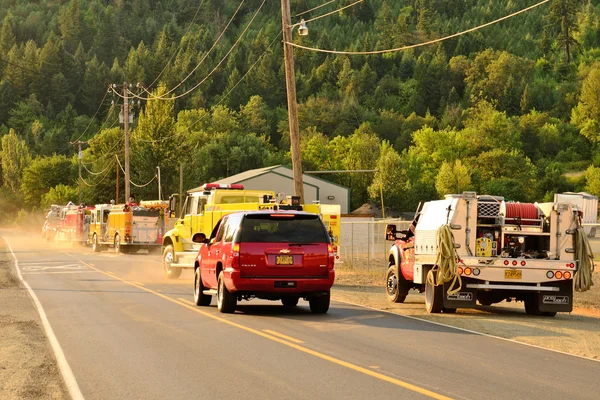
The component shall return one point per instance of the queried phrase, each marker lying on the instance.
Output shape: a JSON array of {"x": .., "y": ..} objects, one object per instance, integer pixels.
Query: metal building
[{"x": 280, "y": 180}]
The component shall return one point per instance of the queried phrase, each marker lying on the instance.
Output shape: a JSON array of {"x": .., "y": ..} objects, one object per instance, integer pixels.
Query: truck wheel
[
  {"x": 200, "y": 298},
  {"x": 290, "y": 302},
  {"x": 320, "y": 304},
  {"x": 95, "y": 244},
  {"x": 117, "y": 243},
  {"x": 397, "y": 287},
  {"x": 226, "y": 302},
  {"x": 433, "y": 298},
  {"x": 168, "y": 258}
]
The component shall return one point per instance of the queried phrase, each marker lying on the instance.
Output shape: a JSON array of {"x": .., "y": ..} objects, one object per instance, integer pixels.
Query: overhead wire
[
  {"x": 180, "y": 43},
  {"x": 332, "y": 12},
  {"x": 130, "y": 181},
  {"x": 97, "y": 183},
  {"x": 95, "y": 173},
  {"x": 95, "y": 114},
  {"x": 315, "y": 8},
  {"x": 240, "y": 80},
  {"x": 412, "y": 46},
  {"x": 161, "y": 97}
]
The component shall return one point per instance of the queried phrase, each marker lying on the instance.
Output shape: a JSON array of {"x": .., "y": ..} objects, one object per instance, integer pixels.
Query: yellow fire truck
[
  {"x": 203, "y": 208},
  {"x": 129, "y": 227}
]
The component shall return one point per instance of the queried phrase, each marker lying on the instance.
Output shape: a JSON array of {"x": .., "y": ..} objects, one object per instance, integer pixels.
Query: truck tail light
[
  {"x": 460, "y": 270},
  {"x": 567, "y": 275},
  {"x": 330, "y": 256},
  {"x": 549, "y": 274},
  {"x": 235, "y": 256},
  {"x": 558, "y": 274}
]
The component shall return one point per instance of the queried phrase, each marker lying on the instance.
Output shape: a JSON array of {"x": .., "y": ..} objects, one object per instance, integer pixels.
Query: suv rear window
[{"x": 261, "y": 228}]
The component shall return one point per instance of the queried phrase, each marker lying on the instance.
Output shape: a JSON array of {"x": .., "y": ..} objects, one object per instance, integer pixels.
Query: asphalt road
[{"x": 128, "y": 333}]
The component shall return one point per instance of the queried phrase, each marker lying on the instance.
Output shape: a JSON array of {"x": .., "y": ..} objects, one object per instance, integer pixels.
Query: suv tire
[
  {"x": 167, "y": 258},
  {"x": 226, "y": 301},
  {"x": 320, "y": 304},
  {"x": 200, "y": 298}
]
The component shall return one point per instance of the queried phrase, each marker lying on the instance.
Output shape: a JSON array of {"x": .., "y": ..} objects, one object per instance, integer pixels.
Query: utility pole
[
  {"x": 180, "y": 186},
  {"x": 126, "y": 129},
  {"x": 290, "y": 78},
  {"x": 117, "y": 167},
  {"x": 159, "y": 187},
  {"x": 79, "y": 157}
]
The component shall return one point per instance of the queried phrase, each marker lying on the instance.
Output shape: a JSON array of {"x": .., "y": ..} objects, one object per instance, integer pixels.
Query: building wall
[
  {"x": 326, "y": 190},
  {"x": 279, "y": 184}
]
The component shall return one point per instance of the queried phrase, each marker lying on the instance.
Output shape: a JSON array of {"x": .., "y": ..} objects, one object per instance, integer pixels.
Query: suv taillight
[
  {"x": 235, "y": 256},
  {"x": 330, "y": 256}
]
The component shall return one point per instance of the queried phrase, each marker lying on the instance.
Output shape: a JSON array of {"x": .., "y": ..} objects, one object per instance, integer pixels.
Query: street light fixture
[{"x": 303, "y": 29}]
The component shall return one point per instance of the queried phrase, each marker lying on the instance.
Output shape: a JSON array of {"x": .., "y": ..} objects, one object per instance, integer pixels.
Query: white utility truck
[
  {"x": 587, "y": 204},
  {"x": 468, "y": 248}
]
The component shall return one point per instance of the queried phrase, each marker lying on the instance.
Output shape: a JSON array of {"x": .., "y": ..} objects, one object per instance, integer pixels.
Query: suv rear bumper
[{"x": 236, "y": 283}]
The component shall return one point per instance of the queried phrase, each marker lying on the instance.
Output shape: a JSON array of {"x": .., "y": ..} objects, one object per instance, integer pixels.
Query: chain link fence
[{"x": 363, "y": 244}]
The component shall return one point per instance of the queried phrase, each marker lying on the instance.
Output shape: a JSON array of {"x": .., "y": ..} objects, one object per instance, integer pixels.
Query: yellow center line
[
  {"x": 281, "y": 335},
  {"x": 110, "y": 272},
  {"x": 139, "y": 283},
  {"x": 296, "y": 346}
]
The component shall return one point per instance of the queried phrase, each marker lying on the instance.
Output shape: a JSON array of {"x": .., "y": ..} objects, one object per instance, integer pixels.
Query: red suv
[{"x": 274, "y": 255}]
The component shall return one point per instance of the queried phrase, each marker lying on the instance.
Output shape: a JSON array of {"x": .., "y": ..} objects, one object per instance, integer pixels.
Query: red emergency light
[{"x": 236, "y": 186}]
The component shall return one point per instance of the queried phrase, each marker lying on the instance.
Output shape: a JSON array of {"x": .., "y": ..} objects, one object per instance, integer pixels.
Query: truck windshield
[
  {"x": 144, "y": 212},
  {"x": 300, "y": 229},
  {"x": 238, "y": 199}
]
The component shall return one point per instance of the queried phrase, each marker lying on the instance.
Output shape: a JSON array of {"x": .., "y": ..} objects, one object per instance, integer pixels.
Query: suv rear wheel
[
  {"x": 200, "y": 298},
  {"x": 320, "y": 304},
  {"x": 226, "y": 302}
]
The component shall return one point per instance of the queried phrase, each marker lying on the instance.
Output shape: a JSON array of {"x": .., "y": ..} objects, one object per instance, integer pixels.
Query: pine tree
[{"x": 564, "y": 13}]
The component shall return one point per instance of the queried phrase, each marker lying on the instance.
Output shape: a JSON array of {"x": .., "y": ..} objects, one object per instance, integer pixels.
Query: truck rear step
[{"x": 210, "y": 292}]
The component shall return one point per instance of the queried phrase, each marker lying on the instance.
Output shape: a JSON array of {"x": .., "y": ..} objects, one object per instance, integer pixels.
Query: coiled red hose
[{"x": 521, "y": 213}]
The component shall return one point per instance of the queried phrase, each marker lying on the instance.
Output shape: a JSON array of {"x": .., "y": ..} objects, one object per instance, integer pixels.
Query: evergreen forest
[{"x": 511, "y": 109}]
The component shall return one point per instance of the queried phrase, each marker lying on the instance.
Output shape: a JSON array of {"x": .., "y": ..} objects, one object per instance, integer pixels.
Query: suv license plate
[
  {"x": 284, "y": 260},
  {"x": 513, "y": 274}
]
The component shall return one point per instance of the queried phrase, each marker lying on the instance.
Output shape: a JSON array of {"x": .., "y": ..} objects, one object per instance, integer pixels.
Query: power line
[
  {"x": 238, "y": 82},
  {"x": 315, "y": 8},
  {"x": 152, "y": 97},
  {"x": 96, "y": 173},
  {"x": 130, "y": 181},
  {"x": 412, "y": 46},
  {"x": 180, "y": 43},
  {"x": 95, "y": 114},
  {"x": 332, "y": 12},
  {"x": 18, "y": 66}
]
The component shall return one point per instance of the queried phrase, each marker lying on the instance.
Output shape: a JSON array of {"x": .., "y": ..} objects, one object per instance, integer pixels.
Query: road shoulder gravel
[{"x": 28, "y": 369}]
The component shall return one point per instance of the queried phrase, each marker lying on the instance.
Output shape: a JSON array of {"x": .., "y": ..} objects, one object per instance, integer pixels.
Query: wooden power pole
[
  {"x": 290, "y": 78},
  {"x": 126, "y": 129},
  {"x": 79, "y": 158}
]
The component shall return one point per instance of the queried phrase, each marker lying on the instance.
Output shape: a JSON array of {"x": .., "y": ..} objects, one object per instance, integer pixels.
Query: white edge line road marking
[
  {"x": 57, "y": 272},
  {"x": 63, "y": 364},
  {"x": 467, "y": 330}
]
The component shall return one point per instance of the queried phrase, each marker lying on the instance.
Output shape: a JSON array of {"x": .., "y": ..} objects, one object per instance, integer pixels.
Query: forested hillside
[{"x": 512, "y": 109}]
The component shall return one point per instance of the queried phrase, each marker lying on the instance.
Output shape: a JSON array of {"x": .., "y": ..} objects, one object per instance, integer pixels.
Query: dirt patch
[
  {"x": 576, "y": 333},
  {"x": 27, "y": 366}
]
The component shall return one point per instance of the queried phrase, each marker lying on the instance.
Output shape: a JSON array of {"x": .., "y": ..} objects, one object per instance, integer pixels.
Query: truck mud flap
[
  {"x": 464, "y": 298},
  {"x": 561, "y": 301}
]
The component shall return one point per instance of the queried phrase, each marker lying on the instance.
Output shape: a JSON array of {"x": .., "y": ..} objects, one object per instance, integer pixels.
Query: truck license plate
[
  {"x": 284, "y": 260},
  {"x": 513, "y": 274}
]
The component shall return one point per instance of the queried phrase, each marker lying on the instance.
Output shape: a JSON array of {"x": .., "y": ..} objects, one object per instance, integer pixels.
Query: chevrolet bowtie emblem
[{"x": 284, "y": 251}]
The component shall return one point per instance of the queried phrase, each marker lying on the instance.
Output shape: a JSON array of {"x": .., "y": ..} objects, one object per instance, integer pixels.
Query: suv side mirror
[
  {"x": 390, "y": 232},
  {"x": 199, "y": 238}
]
